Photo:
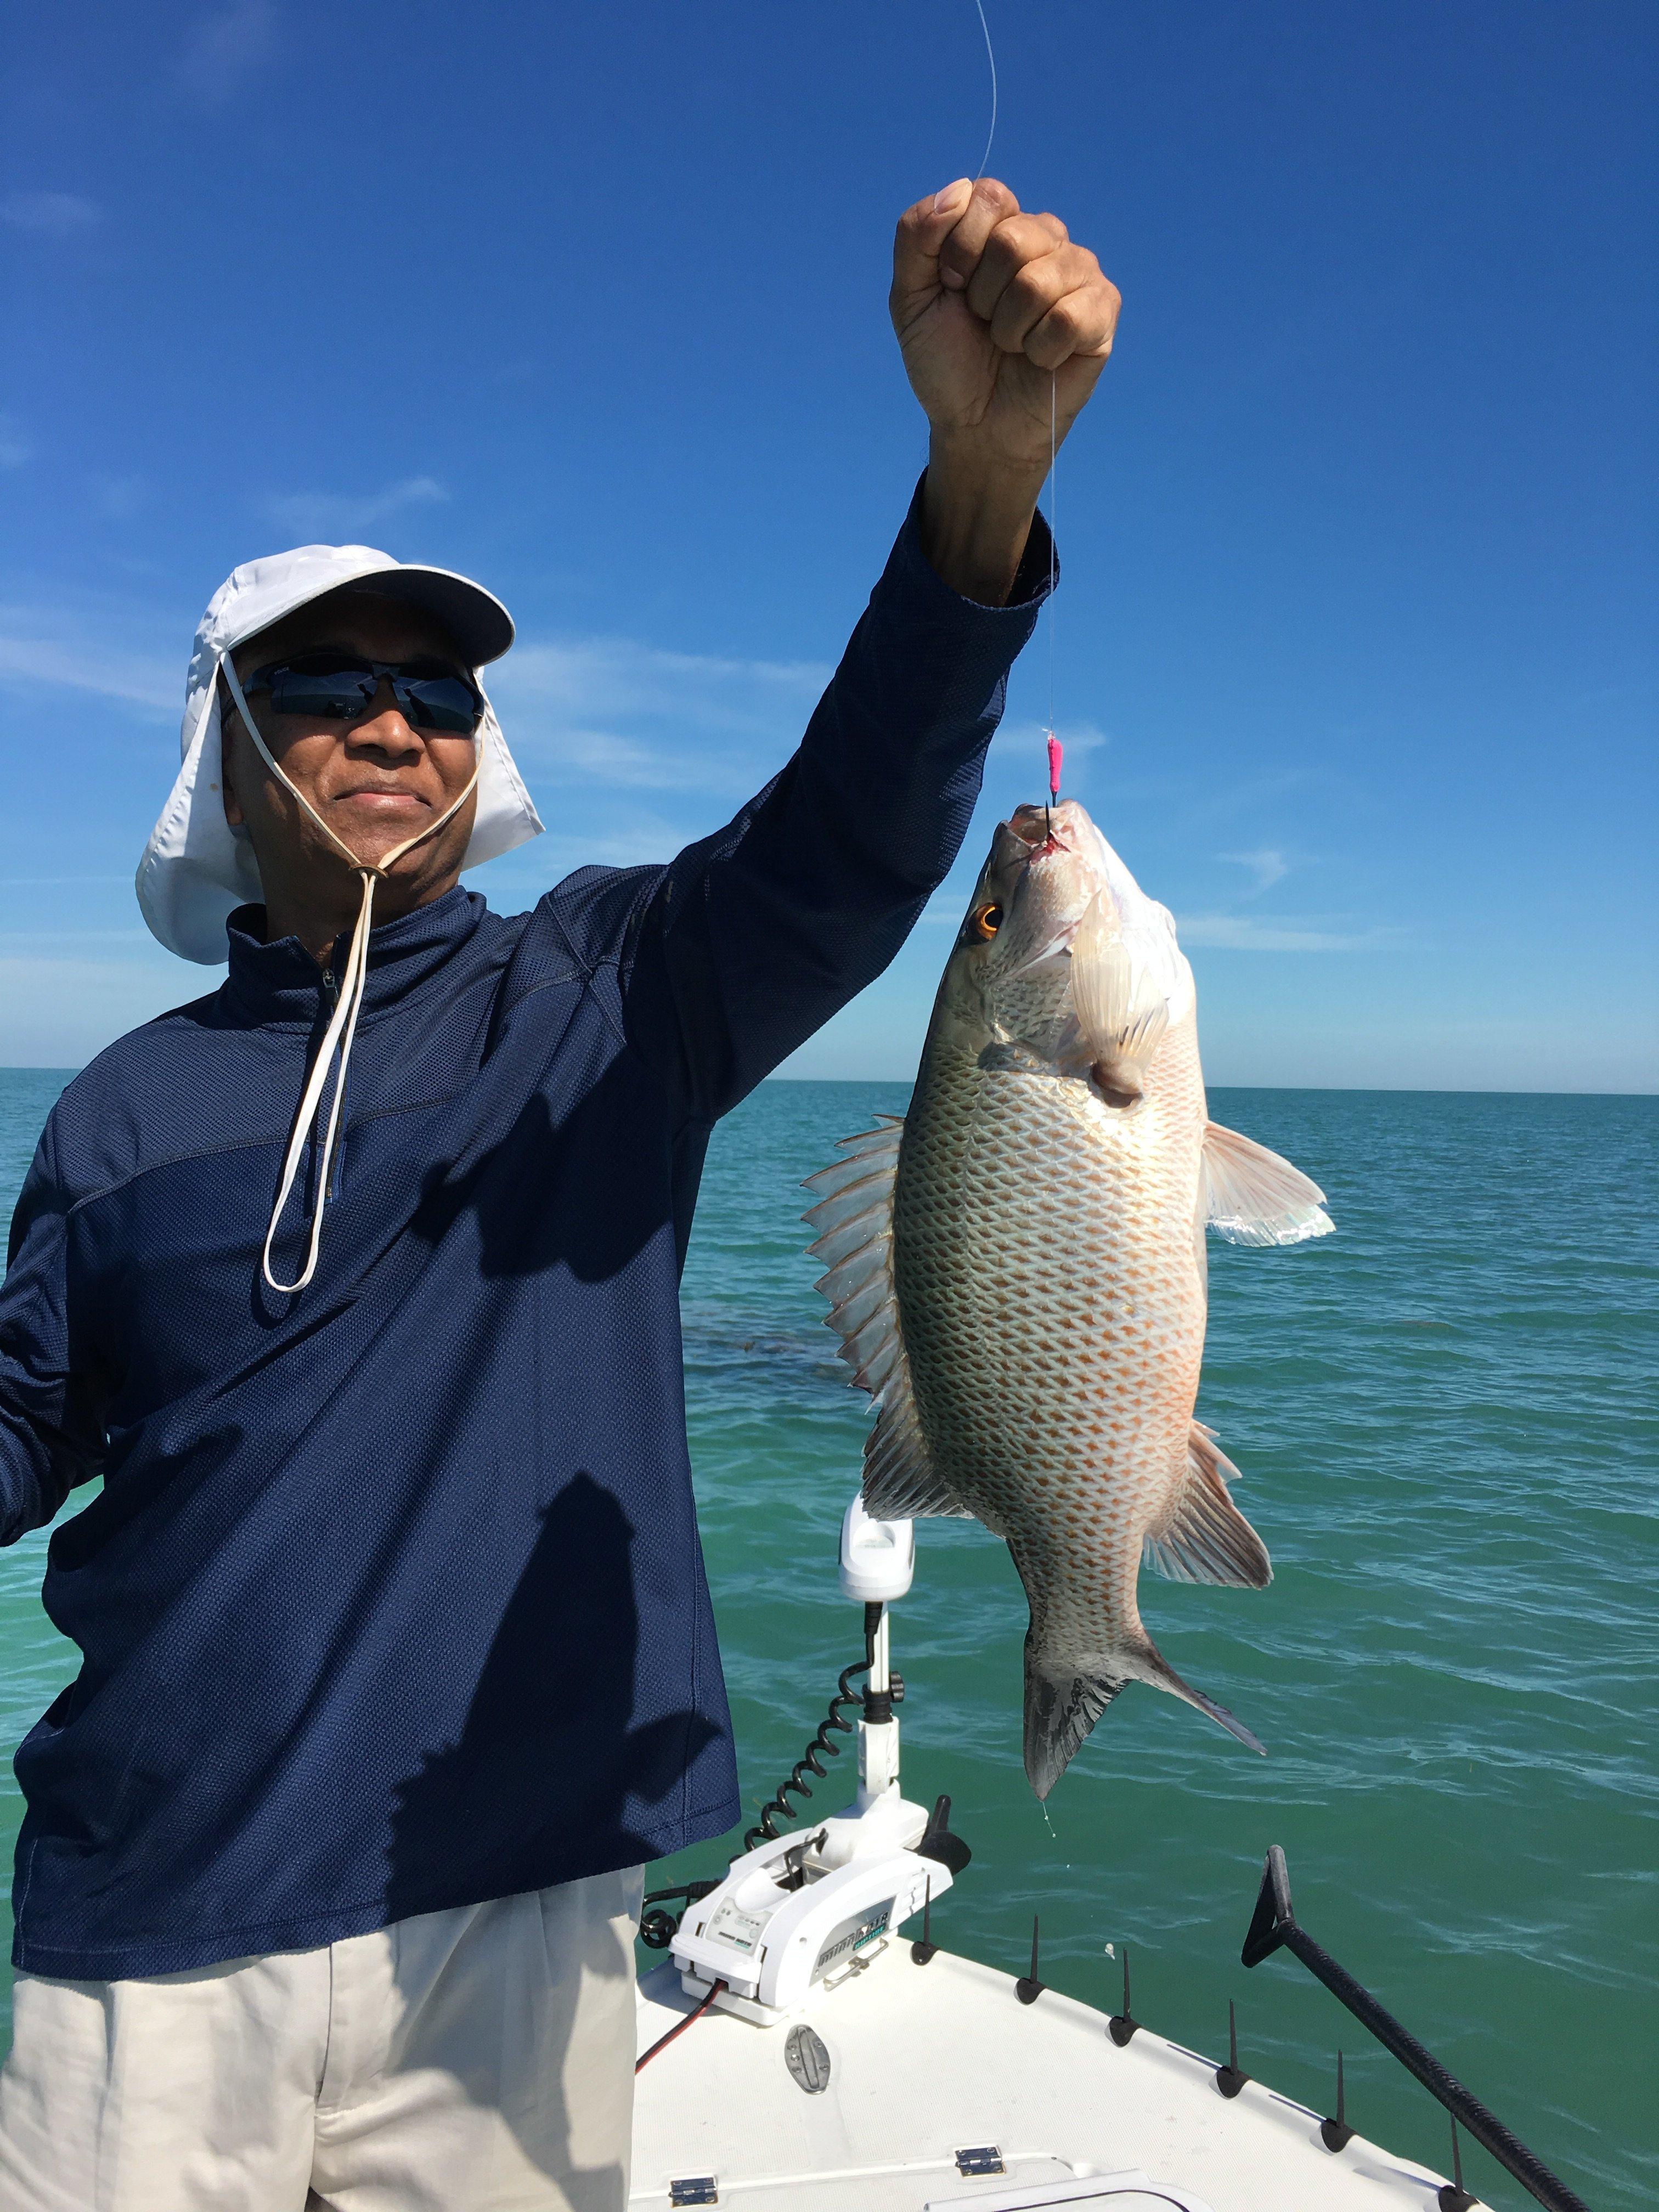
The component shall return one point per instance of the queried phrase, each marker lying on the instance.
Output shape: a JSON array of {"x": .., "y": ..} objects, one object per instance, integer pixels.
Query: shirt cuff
[{"x": 1037, "y": 575}]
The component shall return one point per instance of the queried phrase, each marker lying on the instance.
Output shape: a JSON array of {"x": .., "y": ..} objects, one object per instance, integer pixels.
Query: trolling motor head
[{"x": 877, "y": 1558}]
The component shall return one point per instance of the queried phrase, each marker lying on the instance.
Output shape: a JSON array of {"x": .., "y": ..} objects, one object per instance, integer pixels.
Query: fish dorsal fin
[
  {"x": 1203, "y": 1537},
  {"x": 853, "y": 1217},
  {"x": 1120, "y": 1009},
  {"x": 1251, "y": 1196}
]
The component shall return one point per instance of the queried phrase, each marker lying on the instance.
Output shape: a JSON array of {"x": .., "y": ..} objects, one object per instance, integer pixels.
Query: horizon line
[{"x": 867, "y": 1082}]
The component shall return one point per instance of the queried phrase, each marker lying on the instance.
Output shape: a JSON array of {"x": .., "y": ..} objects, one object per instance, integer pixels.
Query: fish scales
[
  {"x": 1024, "y": 1289},
  {"x": 1054, "y": 1315}
]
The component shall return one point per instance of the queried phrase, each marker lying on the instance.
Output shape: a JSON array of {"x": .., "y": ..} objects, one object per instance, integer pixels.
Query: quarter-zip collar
[{"x": 282, "y": 984}]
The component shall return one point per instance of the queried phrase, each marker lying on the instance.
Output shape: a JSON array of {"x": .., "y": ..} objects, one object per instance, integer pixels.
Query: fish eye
[{"x": 986, "y": 920}]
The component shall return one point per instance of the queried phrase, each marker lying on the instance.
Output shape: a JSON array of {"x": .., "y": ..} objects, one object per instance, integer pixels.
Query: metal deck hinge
[
  {"x": 988, "y": 2159},
  {"x": 702, "y": 2189}
]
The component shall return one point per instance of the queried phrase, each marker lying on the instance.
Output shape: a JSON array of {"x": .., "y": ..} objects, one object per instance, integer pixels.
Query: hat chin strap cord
[{"x": 343, "y": 1028}]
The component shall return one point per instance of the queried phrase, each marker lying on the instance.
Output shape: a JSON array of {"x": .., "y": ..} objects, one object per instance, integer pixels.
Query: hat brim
[{"x": 475, "y": 618}]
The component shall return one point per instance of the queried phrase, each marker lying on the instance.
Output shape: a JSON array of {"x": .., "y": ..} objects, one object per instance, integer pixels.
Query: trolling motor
[{"x": 798, "y": 1909}]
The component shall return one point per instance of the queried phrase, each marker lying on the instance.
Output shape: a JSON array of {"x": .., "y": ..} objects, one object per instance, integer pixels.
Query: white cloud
[
  {"x": 121, "y": 497},
  {"x": 613, "y": 676},
  {"x": 49, "y": 214},
  {"x": 1267, "y": 864},
  {"x": 629, "y": 838},
  {"x": 584, "y": 715},
  {"x": 332, "y": 517},
  {"x": 225, "y": 48},
  {"x": 42, "y": 649},
  {"x": 609, "y": 758},
  {"x": 600, "y": 711},
  {"x": 1242, "y": 932}
]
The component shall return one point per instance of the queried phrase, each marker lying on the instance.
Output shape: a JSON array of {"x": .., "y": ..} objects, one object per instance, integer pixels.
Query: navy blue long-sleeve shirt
[{"x": 393, "y": 1598}]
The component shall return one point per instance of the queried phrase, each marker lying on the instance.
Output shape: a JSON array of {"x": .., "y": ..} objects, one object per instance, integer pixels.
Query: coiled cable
[
  {"x": 659, "y": 1924},
  {"x": 778, "y": 1808}
]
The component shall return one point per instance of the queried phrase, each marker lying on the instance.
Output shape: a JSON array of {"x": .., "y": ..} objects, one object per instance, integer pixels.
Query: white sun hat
[{"x": 197, "y": 869}]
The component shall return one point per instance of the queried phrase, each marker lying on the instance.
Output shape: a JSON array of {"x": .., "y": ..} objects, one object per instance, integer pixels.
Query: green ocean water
[{"x": 1445, "y": 1420}]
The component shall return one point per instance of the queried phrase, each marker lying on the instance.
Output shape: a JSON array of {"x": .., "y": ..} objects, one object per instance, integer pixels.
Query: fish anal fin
[
  {"x": 901, "y": 1482},
  {"x": 1252, "y": 1196},
  {"x": 1203, "y": 1537}
]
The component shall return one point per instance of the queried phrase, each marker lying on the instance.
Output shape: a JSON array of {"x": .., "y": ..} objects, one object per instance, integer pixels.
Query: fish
[{"x": 1015, "y": 1269}]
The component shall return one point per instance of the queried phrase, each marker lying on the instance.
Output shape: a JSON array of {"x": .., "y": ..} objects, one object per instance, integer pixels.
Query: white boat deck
[{"x": 928, "y": 2063}]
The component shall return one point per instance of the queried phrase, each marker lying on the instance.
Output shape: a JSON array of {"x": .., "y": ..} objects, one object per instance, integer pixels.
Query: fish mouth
[
  {"x": 1036, "y": 828},
  {"x": 1049, "y": 835}
]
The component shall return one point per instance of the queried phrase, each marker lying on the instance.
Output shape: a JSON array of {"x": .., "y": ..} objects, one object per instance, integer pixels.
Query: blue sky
[{"x": 1355, "y": 652}]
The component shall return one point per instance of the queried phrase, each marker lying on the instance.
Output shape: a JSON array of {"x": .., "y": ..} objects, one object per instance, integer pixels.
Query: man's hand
[{"x": 1000, "y": 319}]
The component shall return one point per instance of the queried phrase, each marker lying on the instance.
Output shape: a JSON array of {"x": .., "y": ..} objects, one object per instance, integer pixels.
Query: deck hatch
[{"x": 807, "y": 2059}]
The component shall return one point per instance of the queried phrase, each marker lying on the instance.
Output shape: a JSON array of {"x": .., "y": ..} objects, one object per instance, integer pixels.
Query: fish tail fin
[
  {"x": 1148, "y": 1664},
  {"x": 1061, "y": 1706}
]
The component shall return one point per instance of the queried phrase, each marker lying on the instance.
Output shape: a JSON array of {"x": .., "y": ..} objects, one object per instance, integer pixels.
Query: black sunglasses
[{"x": 330, "y": 688}]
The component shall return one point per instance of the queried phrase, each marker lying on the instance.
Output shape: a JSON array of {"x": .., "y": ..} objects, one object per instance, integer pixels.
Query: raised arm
[{"x": 757, "y": 935}]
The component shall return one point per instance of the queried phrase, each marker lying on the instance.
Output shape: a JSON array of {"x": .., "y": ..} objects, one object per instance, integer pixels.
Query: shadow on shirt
[{"x": 552, "y": 1777}]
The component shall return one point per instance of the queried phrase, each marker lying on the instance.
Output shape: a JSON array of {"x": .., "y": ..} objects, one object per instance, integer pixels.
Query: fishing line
[
  {"x": 1056, "y": 751},
  {"x": 990, "y": 57}
]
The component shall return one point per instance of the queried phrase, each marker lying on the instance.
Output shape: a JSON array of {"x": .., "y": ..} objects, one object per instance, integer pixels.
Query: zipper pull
[{"x": 331, "y": 988}]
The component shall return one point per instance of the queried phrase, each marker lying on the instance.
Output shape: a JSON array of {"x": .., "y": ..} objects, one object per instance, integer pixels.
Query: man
[{"x": 357, "y": 1283}]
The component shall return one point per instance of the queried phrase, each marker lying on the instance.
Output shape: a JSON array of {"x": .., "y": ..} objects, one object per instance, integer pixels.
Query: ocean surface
[{"x": 1446, "y": 1423}]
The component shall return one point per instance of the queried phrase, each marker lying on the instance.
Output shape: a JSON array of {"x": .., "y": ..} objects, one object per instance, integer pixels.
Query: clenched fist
[{"x": 1001, "y": 319}]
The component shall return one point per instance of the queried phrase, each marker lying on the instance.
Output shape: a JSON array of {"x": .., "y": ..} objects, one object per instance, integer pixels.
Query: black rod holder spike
[
  {"x": 922, "y": 1952},
  {"x": 1273, "y": 1926},
  {"x": 1029, "y": 1989},
  {"x": 1335, "y": 2133},
  {"x": 1123, "y": 2027},
  {"x": 938, "y": 1843},
  {"x": 1228, "y": 2079},
  {"x": 1452, "y": 2196}
]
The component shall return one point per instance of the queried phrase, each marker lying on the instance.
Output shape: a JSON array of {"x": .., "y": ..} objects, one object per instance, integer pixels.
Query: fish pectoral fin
[
  {"x": 1252, "y": 1196},
  {"x": 1061, "y": 1709},
  {"x": 1203, "y": 1537},
  {"x": 1121, "y": 1011}
]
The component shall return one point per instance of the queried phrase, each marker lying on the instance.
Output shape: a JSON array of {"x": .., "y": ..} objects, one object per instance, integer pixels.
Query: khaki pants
[{"x": 471, "y": 2060}]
